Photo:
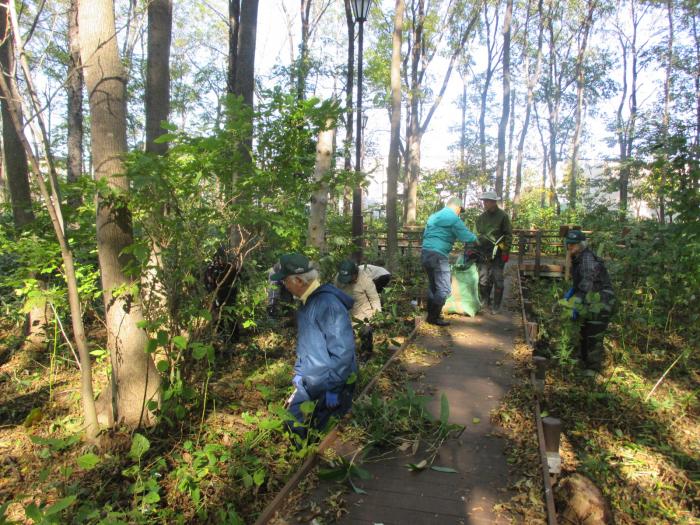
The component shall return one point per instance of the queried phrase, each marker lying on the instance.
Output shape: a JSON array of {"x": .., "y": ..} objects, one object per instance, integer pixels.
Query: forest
[{"x": 159, "y": 157}]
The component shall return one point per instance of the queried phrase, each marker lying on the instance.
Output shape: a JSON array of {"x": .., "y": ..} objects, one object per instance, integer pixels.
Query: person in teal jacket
[{"x": 441, "y": 231}]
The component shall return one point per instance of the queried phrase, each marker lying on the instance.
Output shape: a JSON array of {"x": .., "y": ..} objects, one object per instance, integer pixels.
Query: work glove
[
  {"x": 298, "y": 381},
  {"x": 332, "y": 399},
  {"x": 574, "y": 314},
  {"x": 505, "y": 257},
  {"x": 569, "y": 293}
]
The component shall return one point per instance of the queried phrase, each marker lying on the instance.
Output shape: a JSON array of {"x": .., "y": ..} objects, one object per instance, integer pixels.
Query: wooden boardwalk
[{"x": 475, "y": 374}]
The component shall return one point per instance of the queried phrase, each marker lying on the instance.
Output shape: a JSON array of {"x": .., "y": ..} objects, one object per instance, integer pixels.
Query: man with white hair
[
  {"x": 495, "y": 238},
  {"x": 442, "y": 230},
  {"x": 325, "y": 345}
]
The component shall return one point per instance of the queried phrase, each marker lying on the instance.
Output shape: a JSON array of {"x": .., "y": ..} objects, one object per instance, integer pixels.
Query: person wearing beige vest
[{"x": 357, "y": 283}]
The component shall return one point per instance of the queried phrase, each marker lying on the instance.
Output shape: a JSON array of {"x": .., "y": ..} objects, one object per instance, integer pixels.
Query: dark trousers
[
  {"x": 437, "y": 267},
  {"x": 381, "y": 281},
  {"x": 366, "y": 340},
  {"x": 491, "y": 274},
  {"x": 591, "y": 340}
]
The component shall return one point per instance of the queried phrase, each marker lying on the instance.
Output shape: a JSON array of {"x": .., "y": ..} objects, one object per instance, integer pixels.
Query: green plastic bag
[{"x": 464, "y": 298}]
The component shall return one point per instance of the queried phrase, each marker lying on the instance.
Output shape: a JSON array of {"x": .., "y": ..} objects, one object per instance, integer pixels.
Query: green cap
[
  {"x": 291, "y": 264},
  {"x": 347, "y": 270},
  {"x": 574, "y": 237}
]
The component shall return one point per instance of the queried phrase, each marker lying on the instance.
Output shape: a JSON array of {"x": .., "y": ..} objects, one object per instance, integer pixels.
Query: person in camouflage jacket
[
  {"x": 593, "y": 296},
  {"x": 495, "y": 235}
]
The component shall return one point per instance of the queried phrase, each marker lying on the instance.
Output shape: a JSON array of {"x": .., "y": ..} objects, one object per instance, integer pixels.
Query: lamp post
[{"x": 360, "y": 10}]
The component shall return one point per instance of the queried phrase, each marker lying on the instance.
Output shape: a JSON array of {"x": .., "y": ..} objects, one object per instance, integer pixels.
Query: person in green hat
[
  {"x": 593, "y": 299},
  {"x": 442, "y": 230},
  {"x": 358, "y": 284},
  {"x": 325, "y": 345},
  {"x": 495, "y": 238}
]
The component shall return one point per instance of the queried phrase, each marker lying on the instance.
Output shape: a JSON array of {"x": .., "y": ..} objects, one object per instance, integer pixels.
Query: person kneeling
[
  {"x": 325, "y": 345},
  {"x": 357, "y": 282}
]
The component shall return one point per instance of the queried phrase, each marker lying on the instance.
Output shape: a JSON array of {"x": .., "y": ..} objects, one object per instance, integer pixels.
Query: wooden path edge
[
  {"x": 548, "y": 494},
  {"x": 269, "y": 511}
]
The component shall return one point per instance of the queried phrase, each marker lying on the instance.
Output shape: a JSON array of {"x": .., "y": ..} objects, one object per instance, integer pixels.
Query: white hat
[{"x": 489, "y": 196}]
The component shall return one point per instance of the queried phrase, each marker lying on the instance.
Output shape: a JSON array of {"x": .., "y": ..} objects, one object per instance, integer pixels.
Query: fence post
[
  {"x": 521, "y": 247},
  {"x": 552, "y": 434},
  {"x": 538, "y": 252},
  {"x": 540, "y": 363}
]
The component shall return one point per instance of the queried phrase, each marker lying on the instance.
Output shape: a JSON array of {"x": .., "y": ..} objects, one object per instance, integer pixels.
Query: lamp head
[{"x": 360, "y": 9}]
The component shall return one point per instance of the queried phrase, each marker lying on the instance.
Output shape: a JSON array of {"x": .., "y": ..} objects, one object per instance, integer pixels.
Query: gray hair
[
  {"x": 454, "y": 201},
  {"x": 308, "y": 277}
]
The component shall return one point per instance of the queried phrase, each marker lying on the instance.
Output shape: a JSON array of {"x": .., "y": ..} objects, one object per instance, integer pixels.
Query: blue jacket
[
  {"x": 325, "y": 341},
  {"x": 443, "y": 229}
]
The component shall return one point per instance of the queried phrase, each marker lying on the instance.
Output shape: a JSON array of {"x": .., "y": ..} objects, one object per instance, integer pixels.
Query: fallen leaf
[
  {"x": 415, "y": 467},
  {"x": 476, "y": 420},
  {"x": 448, "y": 470}
]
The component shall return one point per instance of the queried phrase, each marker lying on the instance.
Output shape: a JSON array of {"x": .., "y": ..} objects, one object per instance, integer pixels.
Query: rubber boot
[
  {"x": 366, "y": 342},
  {"x": 429, "y": 309},
  {"x": 497, "y": 298},
  {"x": 485, "y": 295},
  {"x": 434, "y": 315}
]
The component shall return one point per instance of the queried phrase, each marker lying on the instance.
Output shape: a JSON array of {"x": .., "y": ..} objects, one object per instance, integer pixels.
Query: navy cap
[
  {"x": 574, "y": 237},
  {"x": 347, "y": 271}
]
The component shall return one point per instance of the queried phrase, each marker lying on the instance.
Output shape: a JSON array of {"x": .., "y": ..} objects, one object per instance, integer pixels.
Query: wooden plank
[{"x": 388, "y": 514}]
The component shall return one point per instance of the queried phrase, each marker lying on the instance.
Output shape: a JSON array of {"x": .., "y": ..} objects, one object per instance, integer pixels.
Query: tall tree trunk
[
  {"x": 511, "y": 134},
  {"x": 393, "y": 168},
  {"x": 580, "y": 85},
  {"x": 626, "y": 130},
  {"x": 490, "y": 69},
  {"x": 319, "y": 198},
  {"x": 666, "y": 121},
  {"x": 349, "y": 84},
  {"x": 532, "y": 81},
  {"x": 413, "y": 139},
  {"x": 160, "y": 20},
  {"x": 244, "y": 84},
  {"x": 135, "y": 380},
  {"x": 416, "y": 129},
  {"x": 505, "y": 110},
  {"x": 463, "y": 136},
  {"x": 696, "y": 81},
  {"x": 553, "y": 106},
  {"x": 17, "y": 172},
  {"x": 303, "y": 69},
  {"x": 234, "y": 20},
  {"x": 545, "y": 157},
  {"x": 4, "y": 190},
  {"x": 16, "y": 167},
  {"x": 157, "y": 106},
  {"x": 74, "y": 88}
]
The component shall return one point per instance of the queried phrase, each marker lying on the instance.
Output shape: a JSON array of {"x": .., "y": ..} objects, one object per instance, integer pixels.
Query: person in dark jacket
[
  {"x": 593, "y": 298},
  {"x": 325, "y": 345},
  {"x": 442, "y": 230},
  {"x": 495, "y": 237},
  {"x": 222, "y": 276}
]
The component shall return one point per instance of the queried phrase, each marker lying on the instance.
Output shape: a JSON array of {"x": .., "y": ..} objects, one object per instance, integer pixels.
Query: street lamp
[{"x": 360, "y": 10}]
